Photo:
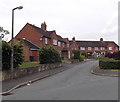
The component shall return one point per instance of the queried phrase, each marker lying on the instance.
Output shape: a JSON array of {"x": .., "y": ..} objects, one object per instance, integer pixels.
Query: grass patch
[
  {"x": 28, "y": 64},
  {"x": 115, "y": 70}
]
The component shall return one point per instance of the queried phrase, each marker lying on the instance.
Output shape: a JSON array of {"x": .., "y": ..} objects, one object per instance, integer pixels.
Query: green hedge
[
  {"x": 6, "y": 55},
  {"x": 82, "y": 58},
  {"x": 109, "y": 64},
  {"x": 49, "y": 54}
]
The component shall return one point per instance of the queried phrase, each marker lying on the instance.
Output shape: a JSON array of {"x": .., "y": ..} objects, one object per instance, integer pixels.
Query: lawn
[{"x": 28, "y": 64}]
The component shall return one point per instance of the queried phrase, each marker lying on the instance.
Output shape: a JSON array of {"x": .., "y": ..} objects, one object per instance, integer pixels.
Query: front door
[{"x": 35, "y": 54}]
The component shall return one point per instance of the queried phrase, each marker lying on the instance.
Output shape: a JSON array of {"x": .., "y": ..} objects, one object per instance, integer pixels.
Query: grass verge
[{"x": 28, "y": 64}]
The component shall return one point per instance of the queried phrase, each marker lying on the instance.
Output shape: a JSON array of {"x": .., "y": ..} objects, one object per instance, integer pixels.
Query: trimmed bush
[
  {"x": 82, "y": 58},
  {"x": 49, "y": 55},
  {"x": 108, "y": 63}
]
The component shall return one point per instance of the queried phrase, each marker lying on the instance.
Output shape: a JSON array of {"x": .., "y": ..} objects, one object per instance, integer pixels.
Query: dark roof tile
[{"x": 29, "y": 43}]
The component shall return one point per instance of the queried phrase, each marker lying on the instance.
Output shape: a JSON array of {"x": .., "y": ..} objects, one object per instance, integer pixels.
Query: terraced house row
[{"x": 34, "y": 38}]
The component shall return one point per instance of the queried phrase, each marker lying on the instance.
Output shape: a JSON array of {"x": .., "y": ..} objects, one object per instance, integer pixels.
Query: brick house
[
  {"x": 29, "y": 49},
  {"x": 39, "y": 37},
  {"x": 99, "y": 47}
]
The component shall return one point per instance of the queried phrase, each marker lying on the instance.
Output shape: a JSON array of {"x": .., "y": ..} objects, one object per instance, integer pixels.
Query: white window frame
[
  {"x": 82, "y": 48},
  {"x": 67, "y": 45},
  {"x": 54, "y": 42},
  {"x": 46, "y": 40},
  {"x": 102, "y": 48},
  {"x": 96, "y": 48},
  {"x": 59, "y": 43},
  {"x": 63, "y": 44},
  {"x": 110, "y": 48},
  {"x": 89, "y": 48}
]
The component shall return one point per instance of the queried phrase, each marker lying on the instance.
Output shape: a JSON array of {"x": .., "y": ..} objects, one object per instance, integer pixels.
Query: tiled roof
[
  {"x": 94, "y": 43},
  {"x": 47, "y": 33},
  {"x": 108, "y": 42},
  {"x": 41, "y": 31},
  {"x": 29, "y": 43},
  {"x": 91, "y": 43},
  {"x": 58, "y": 36}
]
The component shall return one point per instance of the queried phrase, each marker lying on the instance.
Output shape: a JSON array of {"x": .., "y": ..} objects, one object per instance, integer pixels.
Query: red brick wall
[
  {"x": 29, "y": 33},
  {"x": 73, "y": 46},
  {"x": 113, "y": 48}
]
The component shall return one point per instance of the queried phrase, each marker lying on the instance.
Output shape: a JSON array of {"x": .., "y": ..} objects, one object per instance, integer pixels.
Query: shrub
[
  {"x": 108, "y": 63},
  {"x": 82, "y": 58},
  {"x": 84, "y": 54},
  {"x": 76, "y": 54},
  {"x": 6, "y": 55},
  {"x": 49, "y": 55},
  {"x": 115, "y": 55}
]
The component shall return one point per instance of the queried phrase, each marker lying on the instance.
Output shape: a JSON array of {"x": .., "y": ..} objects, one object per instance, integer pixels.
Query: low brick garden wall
[{"x": 7, "y": 75}]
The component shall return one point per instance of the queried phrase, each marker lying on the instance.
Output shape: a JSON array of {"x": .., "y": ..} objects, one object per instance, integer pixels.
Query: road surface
[{"x": 76, "y": 83}]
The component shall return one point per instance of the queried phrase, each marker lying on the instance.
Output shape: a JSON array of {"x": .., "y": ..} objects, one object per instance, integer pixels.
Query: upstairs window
[
  {"x": 82, "y": 48},
  {"x": 46, "y": 41},
  {"x": 89, "y": 48},
  {"x": 67, "y": 45},
  {"x": 110, "y": 48},
  {"x": 59, "y": 43},
  {"x": 54, "y": 42},
  {"x": 102, "y": 48},
  {"x": 63, "y": 44},
  {"x": 96, "y": 48}
]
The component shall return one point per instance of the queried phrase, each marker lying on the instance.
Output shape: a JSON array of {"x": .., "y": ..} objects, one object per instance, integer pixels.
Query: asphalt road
[{"x": 76, "y": 83}]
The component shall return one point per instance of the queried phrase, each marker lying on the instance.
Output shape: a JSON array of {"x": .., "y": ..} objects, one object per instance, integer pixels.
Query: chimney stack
[
  {"x": 44, "y": 26},
  {"x": 73, "y": 39},
  {"x": 101, "y": 39}
]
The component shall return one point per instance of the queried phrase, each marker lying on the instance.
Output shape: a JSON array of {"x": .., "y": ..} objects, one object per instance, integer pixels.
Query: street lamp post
[{"x": 12, "y": 51}]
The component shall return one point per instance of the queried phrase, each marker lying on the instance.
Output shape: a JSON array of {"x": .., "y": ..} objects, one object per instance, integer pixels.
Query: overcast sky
[{"x": 83, "y": 19}]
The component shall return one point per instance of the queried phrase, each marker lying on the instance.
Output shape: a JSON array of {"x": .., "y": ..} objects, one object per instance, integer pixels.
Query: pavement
[
  {"x": 102, "y": 72},
  {"x": 9, "y": 86}
]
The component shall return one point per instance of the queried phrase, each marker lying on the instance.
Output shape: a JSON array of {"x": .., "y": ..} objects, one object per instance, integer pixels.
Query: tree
[
  {"x": 49, "y": 55},
  {"x": 3, "y": 32},
  {"x": 76, "y": 54},
  {"x": 6, "y": 55},
  {"x": 84, "y": 54}
]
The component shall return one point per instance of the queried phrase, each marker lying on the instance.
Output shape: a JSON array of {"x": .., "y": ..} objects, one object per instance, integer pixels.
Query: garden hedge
[
  {"x": 48, "y": 55},
  {"x": 109, "y": 64}
]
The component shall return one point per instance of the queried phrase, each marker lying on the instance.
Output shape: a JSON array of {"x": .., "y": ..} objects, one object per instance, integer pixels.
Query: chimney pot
[{"x": 101, "y": 39}]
